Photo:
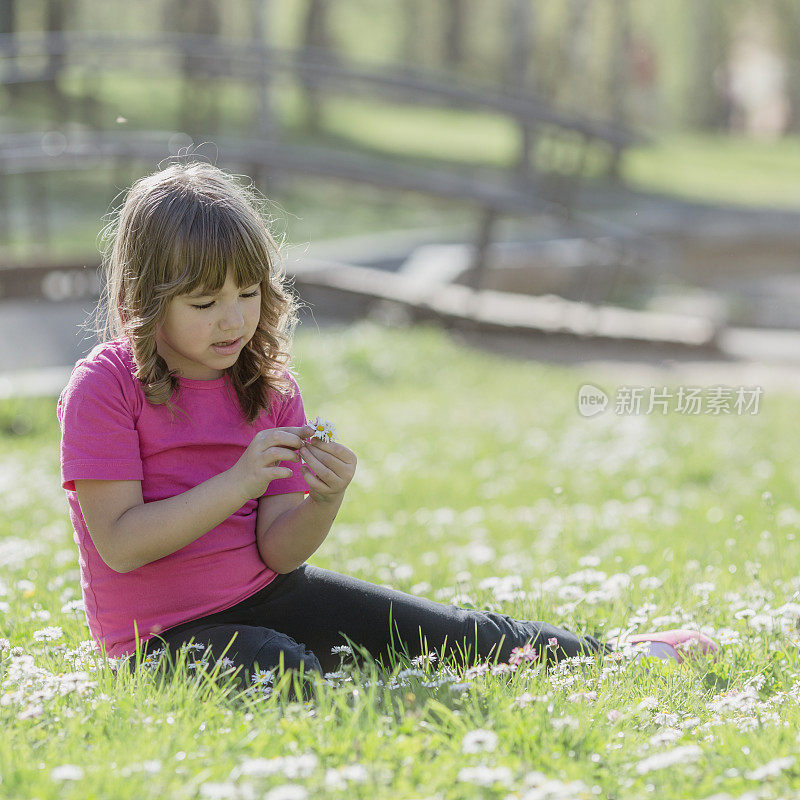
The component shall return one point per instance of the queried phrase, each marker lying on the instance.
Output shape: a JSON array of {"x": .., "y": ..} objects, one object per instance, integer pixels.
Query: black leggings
[{"x": 302, "y": 614}]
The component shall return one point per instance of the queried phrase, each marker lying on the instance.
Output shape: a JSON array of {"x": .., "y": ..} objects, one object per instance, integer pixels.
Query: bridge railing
[
  {"x": 27, "y": 56},
  {"x": 543, "y": 179}
]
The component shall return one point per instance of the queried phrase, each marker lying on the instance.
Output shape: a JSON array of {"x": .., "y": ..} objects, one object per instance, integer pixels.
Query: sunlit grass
[
  {"x": 719, "y": 168},
  {"x": 478, "y": 483}
]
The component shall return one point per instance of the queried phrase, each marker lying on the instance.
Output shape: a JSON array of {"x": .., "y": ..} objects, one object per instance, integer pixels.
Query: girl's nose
[{"x": 233, "y": 319}]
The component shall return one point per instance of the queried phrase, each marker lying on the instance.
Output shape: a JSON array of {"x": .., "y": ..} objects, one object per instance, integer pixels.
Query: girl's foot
[{"x": 677, "y": 644}]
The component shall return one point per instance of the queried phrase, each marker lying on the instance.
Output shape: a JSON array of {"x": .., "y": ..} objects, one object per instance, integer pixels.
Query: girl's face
[{"x": 203, "y": 334}]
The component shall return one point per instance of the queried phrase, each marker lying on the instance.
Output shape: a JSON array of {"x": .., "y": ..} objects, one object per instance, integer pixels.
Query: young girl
[{"x": 194, "y": 488}]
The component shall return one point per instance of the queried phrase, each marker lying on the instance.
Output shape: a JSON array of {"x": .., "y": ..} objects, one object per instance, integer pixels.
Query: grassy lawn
[
  {"x": 719, "y": 169},
  {"x": 493, "y": 493}
]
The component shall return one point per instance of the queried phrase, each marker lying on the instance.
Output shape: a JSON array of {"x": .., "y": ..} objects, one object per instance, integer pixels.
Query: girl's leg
[
  {"x": 250, "y": 647},
  {"x": 317, "y": 606}
]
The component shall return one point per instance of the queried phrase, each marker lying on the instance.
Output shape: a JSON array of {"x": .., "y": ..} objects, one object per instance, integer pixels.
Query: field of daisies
[{"x": 479, "y": 484}]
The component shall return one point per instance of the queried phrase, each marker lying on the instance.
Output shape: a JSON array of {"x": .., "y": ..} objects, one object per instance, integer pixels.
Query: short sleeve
[
  {"x": 99, "y": 440},
  {"x": 289, "y": 413}
]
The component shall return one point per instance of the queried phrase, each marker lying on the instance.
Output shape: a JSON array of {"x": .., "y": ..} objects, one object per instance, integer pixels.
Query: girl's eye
[{"x": 245, "y": 294}]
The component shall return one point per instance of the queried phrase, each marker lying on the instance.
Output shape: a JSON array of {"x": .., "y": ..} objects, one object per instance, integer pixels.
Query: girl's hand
[
  {"x": 258, "y": 465},
  {"x": 334, "y": 465}
]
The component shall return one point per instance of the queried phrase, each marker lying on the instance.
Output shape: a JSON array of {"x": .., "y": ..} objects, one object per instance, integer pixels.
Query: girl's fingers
[
  {"x": 281, "y": 454},
  {"x": 333, "y": 463},
  {"x": 322, "y": 456},
  {"x": 311, "y": 479},
  {"x": 323, "y": 471},
  {"x": 334, "y": 448}
]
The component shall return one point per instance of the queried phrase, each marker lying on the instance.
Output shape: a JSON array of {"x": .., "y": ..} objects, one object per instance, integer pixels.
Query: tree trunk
[
  {"x": 455, "y": 13},
  {"x": 316, "y": 40},
  {"x": 56, "y": 13},
  {"x": 199, "y": 109},
  {"x": 619, "y": 69},
  {"x": 259, "y": 13},
  {"x": 520, "y": 37},
  {"x": 411, "y": 51},
  {"x": 788, "y": 17},
  {"x": 619, "y": 76},
  {"x": 575, "y": 40},
  {"x": 708, "y": 35},
  {"x": 265, "y": 121},
  {"x": 8, "y": 24}
]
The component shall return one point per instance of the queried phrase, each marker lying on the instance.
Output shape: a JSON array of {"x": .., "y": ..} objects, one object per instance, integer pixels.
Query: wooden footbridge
[{"x": 544, "y": 180}]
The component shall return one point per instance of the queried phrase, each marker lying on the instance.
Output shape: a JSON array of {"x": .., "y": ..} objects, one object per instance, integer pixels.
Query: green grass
[
  {"x": 472, "y": 468},
  {"x": 719, "y": 169}
]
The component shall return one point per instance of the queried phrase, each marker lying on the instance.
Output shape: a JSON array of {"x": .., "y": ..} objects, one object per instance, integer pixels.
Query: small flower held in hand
[
  {"x": 328, "y": 466},
  {"x": 323, "y": 429}
]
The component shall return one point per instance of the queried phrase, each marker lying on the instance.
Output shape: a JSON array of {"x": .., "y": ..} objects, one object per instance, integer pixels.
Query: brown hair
[{"x": 179, "y": 229}]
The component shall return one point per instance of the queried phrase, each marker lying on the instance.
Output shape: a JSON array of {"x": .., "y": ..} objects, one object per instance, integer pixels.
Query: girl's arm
[
  {"x": 295, "y": 534},
  {"x": 129, "y": 533},
  {"x": 287, "y": 539}
]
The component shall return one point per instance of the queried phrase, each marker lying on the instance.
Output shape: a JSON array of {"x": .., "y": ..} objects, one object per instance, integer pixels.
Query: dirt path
[
  {"x": 40, "y": 341},
  {"x": 769, "y": 359}
]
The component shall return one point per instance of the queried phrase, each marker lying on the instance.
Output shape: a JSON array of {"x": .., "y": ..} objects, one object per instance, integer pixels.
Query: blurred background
[{"x": 572, "y": 177}]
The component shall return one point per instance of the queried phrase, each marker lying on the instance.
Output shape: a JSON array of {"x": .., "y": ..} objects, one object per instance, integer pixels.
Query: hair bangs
[{"x": 214, "y": 240}]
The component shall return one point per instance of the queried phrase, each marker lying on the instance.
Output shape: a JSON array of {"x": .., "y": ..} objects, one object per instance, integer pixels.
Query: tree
[
  {"x": 708, "y": 37},
  {"x": 317, "y": 44},
  {"x": 787, "y": 13},
  {"x": 199, "y": 102},
  {"x": 454, "y": 27}
]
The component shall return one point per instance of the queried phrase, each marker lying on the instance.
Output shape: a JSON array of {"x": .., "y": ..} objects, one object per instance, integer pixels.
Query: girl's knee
[
  {"x": 281, "y": 648},
  {"x": 281, "y": 651}
]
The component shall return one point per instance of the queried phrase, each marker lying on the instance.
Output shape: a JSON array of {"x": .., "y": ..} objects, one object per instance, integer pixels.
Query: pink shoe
[{"x": 677, "y": 643}]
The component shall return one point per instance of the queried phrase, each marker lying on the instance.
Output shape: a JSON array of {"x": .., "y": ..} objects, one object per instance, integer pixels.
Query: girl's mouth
[{"x": 226, "y": 348}]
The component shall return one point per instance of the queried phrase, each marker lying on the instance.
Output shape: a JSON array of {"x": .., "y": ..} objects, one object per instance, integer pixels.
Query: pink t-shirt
[{"x": 110, "y": 432}]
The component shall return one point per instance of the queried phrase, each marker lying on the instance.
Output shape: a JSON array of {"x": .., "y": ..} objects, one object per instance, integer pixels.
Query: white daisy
[
  {"x": 479, "y": 741},
  {"x": 219, "y": 791},
  {"x": 262, "y": 677},
  {"x": 323, "y": 429},
  {"x": 288, "y": 791},
  {"x": 153, "y": 657},
  {"x": 482, "y": 775},
  {"x": 678, "y": 755},
  {"x": 66, "y": 772},
  {"x": 48, "y": 634},
  {"x": 771, "y": 770}
]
